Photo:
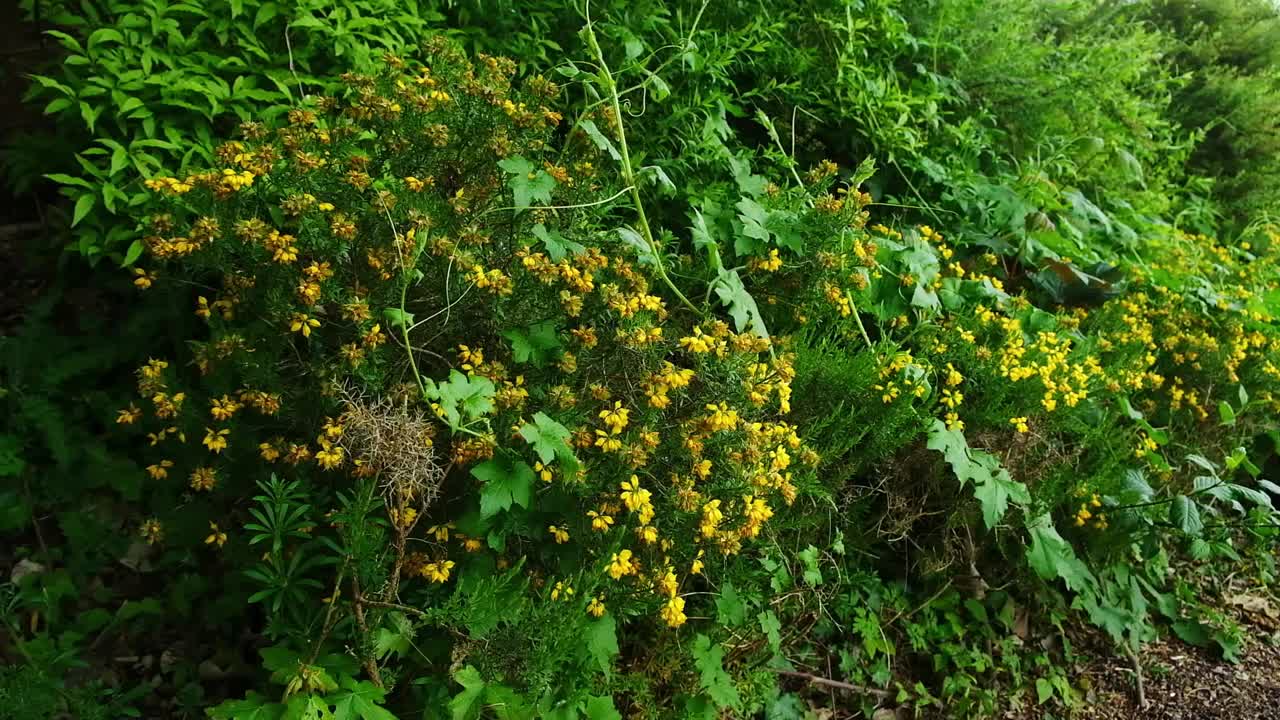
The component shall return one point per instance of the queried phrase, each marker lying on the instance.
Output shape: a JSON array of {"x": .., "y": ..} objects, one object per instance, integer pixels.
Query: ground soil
[{"x": 1183, "y": 682}]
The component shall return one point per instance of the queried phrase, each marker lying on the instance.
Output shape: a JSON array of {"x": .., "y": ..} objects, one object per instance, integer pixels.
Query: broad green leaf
[
  {"x": 1052, "y": 557},
  {"x": 397, "y": 318},
  {"x": 742, "y": 307},
  {"x": 467, "y": 704},
  {"x": 535, "y": 344},
  {"x": 1044, "y": 691},
  {"x": 307, "y": 707},
  {"x": 84, "y": 204},
  {"x": 602, "y": 642},
  {"x": 552, "y": 441},
  {"x": 730, "y": 609},
  {"x": 1226, "y": 413},
  {"x": 708, "y": 657},
  {"x": 599, "y": 139},
  {"x": 772, "y": 629},
  {"x": 506, "y": 482},
  {"x": 462, "y": 397},
  {"x": 634, "y": 240},
  {"x": 527, "y": 184},
  {"x": 133, "y": 253},
  {"x": 253, "y": 707},
  {"x": 1185, "y": 515},
  {"x": 602, "y": 708},
  {"x": 359, "y": 701},
  {"x": 558, "y": 247}
]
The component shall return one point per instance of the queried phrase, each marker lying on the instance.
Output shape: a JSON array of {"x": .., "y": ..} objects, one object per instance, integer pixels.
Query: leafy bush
[
  {"x": 494, "y": 397},
  {"x": 145, "y": 85}
]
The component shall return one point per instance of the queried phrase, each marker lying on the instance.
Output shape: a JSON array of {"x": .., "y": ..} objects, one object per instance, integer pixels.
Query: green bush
[{"x": 144, "y": 85}]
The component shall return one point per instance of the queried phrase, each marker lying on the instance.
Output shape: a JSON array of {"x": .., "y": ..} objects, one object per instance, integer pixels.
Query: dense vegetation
[{"x": 660, "y": 358}]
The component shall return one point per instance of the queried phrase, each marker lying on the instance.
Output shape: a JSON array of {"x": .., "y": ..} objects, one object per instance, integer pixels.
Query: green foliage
[
  {"x": 651, "y": 394},
  {"x": 143, "y": 86}
]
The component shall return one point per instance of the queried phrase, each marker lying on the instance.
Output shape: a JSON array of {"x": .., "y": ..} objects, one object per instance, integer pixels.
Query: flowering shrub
[
  {"x": 487, "y": 427},
  {"x": 423, "y": 240}
]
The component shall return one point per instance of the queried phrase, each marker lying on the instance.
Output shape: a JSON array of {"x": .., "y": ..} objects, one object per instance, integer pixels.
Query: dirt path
[{"x": 1183, "y": 682}]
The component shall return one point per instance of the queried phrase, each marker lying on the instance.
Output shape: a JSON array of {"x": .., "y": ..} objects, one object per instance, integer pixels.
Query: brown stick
[
  {"x": 357, "y": 599},
  {"x": 1137, "y": 675},
  {"x": 828, "y": 682}
]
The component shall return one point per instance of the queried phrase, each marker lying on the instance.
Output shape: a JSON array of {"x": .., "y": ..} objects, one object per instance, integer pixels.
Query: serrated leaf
[
  {"x": 506, "y": 482},
  {"x": 730, "y": 609},
  {"x": 558, "y": 247},
  {"x": 708, "y": 657},
  {"x": 536, "y": 344},
  {"x": 772, "y": 629},
  {"x": 599, "y": 139},
  {"x": 526, "y": 183},
  {"x": 467, "y": 704},
  {"x": 634, "y": 240},
  {"x": 552, "y": 441},
  {"x": 359, "y": 701},
  {"x": 740, "y": 304},
  {"x": 253, "y": 707},
  {"x": 1050, "y": 556},
  {"x": 461, "y": 397}
]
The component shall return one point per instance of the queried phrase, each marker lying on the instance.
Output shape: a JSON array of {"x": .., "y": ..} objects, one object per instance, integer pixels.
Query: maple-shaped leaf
[
  {"x": 552, "y": 441},
  {"x": 526, "y": 182},
  {"x": 506, "y": 482},
  {"x": 535, "y": 344},
  {"x": 359, "y": 701},
  {"x": 557, "y": 245}
]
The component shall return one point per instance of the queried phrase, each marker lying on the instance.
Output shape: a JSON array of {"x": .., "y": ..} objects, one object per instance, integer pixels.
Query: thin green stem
[{"x": 628, "y": 173}]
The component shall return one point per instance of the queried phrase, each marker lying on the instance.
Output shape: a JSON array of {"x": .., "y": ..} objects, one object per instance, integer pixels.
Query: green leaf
[
  {"x": 1185, "y": 515},
  {"x": 730, "y": 610},
  {"x": 84, "y": 204},
  {"x": 952, "y": 445},
  {"x": 526, "y": 183},
  {"x": 1052, "y": 557},
  {"x": 601, "y": 708},
  {"x": 634, "y": 240},
  {"x": 602, "y": 642},
  {"x": 557, "y": 245},
  {"x": 397, "y": 318},
  {"x": 461, "y": 397},
  {"x": 812, "y": 573},
  {"x": 132, "y": 254},
  {"x": 359, "y": 701},
  {"x": 552, "y": 441},
  {"x": 307, "y": 707},
  {"x": 102, "y": 35},
  {"x": 253, "y": 707},
  {"x": 742, "y": 307},
  {"x": 708, "y": 657},
  {"x": 505, "y": 482},
  {"x": 1044, "y": 691},
  {"x": 599, "y": 139},
  {"x": 994, "y": 490},
  {"x": 467, "y": 704},
  {"x": 537, "y": 344},
  {"x": 1227, "y": 414},
  {"x": 772, "y": 629}
]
